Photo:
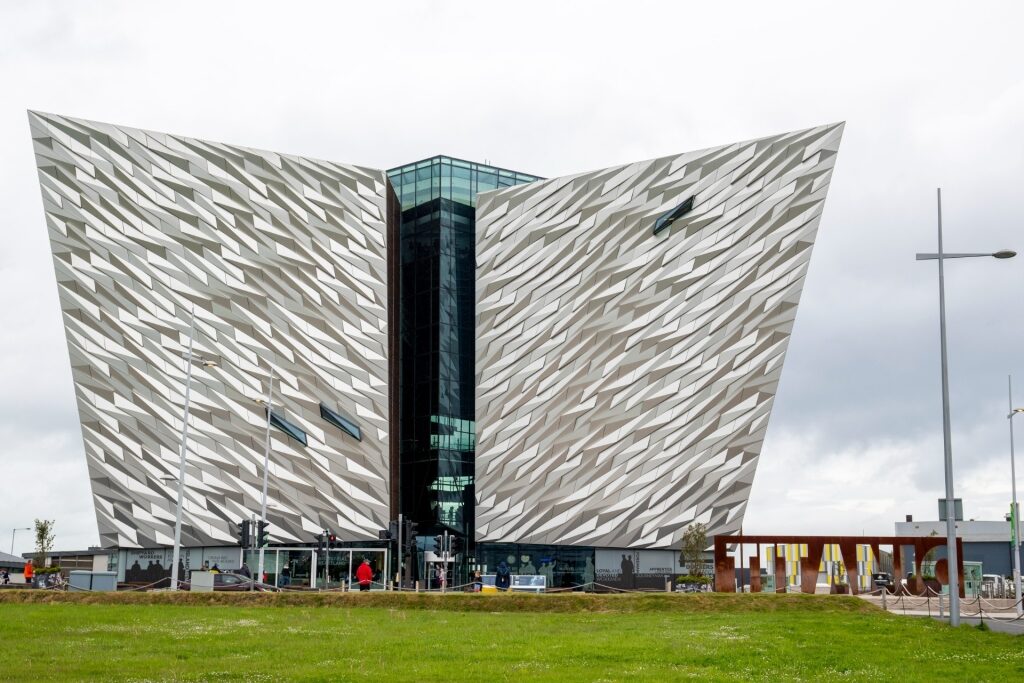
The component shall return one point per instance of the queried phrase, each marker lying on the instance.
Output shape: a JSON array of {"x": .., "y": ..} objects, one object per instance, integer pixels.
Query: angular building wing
[
  {"x": 284, "y": 261},
  {"x": 631, "y": 328}
]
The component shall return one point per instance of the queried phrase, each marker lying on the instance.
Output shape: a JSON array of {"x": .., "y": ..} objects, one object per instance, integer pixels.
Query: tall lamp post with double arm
[
  {"x": 951, "y": 553},
  {"x": 269, "y": 403},
  {"x": 1014, "y": 507},
  {"x": 190, "y": 360}
]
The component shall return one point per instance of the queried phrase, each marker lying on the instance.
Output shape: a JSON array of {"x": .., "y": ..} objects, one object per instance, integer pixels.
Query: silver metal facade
[
  {"x": 625, "y": 378},
  {"x": 284, "y": 259}
]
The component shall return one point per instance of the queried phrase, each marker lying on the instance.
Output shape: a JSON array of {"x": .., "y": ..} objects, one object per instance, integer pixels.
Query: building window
[
  {"x": 341, "y": 422},
  {"x": 288, "y": 428},
  {"x": 669, "y": 217}
]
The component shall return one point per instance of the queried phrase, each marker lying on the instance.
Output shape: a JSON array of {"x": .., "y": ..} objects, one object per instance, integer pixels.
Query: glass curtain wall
[
  {"x": 564, "y": 567},
  {"x": 437, "y": 308}
]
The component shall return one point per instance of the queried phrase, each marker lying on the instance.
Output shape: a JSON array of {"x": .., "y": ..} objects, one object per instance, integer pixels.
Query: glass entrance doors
[
  {"x": 338, "y": 568},
  {"x": 332, "y": 568}
]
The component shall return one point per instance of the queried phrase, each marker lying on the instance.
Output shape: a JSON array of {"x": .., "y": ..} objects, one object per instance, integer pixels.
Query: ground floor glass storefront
[
  {"x": 562, "y": 566},
  {"x": 335, "y": 568}
]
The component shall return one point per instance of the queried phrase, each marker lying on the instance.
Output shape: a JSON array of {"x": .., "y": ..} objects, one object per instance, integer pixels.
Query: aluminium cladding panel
[
  {"x": 625, "y": 378},
  {"x": 284, "y": 259}
]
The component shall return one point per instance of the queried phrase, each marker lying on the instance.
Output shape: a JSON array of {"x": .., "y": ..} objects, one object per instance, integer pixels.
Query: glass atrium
[{"x": 437, "y": 248}]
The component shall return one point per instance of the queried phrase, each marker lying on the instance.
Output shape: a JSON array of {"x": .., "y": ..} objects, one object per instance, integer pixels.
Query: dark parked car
[
  {"x": 232, "y": 582},
  {"x": 881, "y": 580}
]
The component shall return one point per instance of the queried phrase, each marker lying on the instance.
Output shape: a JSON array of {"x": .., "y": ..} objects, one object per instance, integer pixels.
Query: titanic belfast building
[{"x": 563, "y": 373}]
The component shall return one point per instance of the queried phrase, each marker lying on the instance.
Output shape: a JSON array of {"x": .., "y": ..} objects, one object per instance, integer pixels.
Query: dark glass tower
[{"x": 436, "y": 323}]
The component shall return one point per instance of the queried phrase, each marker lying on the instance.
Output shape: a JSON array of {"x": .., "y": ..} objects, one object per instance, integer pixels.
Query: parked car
[
  {"x": 881, "y": 580},
  {"x": 233, "y": 582}
]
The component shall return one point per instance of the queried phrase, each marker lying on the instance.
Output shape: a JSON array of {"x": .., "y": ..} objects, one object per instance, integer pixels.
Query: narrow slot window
[
  {"x": 341, "y": 422},
  {"x": 288, "y": 428},
  {"x": 669, "y": 217}
]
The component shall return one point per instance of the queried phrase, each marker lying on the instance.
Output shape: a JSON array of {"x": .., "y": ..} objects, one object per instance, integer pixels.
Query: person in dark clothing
[
  {"x": 285, "y": 577},
  {"x": 503, "y": 577},
  {"x": 245, "y": 571}
]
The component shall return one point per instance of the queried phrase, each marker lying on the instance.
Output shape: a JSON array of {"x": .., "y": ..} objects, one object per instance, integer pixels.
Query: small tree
[
  {"x": 44, "y": 540},
  {"x": 695, "y": 540}
]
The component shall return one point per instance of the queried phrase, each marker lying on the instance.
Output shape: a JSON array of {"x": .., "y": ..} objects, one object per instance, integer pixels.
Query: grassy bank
[
  {"x": 464, "y": 602},
  {"x": 155, "y": 637}
]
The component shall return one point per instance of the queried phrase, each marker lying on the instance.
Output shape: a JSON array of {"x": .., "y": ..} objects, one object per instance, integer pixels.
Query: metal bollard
[
  {"x": 940, "y": 606},
  {"x": 884, "y": 593}
]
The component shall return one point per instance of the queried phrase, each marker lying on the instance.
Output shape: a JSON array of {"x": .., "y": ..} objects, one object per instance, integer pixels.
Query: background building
[{"x": 985, "y": 542}]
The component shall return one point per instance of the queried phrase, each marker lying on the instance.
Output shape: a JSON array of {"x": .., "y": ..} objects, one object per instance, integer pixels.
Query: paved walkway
[{"x": 998, "y": 614}]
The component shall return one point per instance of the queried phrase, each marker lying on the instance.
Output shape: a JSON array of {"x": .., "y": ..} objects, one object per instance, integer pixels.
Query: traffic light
[
  {"x": 332, "y": 541},
  {"x": 409, "y": 534},
  {"x": 244, "y": 533},
  {"x": 439, "y": 545},
  {"x": 261, "y": 534},
  {"x": 321, "y": 542},
  {"x": 393, "y": 529},
  {"x": 456, "y": 545}
]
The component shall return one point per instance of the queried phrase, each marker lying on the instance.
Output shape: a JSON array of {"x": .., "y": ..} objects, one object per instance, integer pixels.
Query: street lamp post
[
  {"x": 16, "y": 530},
  {"x": 266, "y": 465},
  {"x": 189, "y": 360},
  {"x": 1014, "y": 509},
  {"x": 951, "y": 553}
]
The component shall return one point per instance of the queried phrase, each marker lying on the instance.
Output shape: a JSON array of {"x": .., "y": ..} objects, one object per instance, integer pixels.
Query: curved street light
[
  {"x": 16, "y": 530},
  {"x": 951, "y": 552}
]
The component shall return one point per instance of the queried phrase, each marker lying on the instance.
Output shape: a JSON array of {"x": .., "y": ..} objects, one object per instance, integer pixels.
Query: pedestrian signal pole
[
  {"x": 398, "y": 550},
  {"x": 252, "y": 546}
]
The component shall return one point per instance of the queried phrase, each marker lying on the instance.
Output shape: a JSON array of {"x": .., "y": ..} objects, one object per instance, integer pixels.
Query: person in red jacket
[{"x": 364, "y": 574}]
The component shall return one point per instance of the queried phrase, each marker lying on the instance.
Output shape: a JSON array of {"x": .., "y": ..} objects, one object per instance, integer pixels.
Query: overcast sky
[{"x": 932, "y": 93}]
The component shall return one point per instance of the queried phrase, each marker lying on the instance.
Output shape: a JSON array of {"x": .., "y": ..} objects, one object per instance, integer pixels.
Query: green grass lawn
[{"x": 152, "y": 637}]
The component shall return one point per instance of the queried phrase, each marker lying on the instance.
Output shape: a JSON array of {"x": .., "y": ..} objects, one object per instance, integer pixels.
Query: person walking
[
  {"x": 478, "y": 581},
  {"x": 364, "y": 575},
  {"x": 30, "y": 571},
  {"x": 5, "y": 575}
]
